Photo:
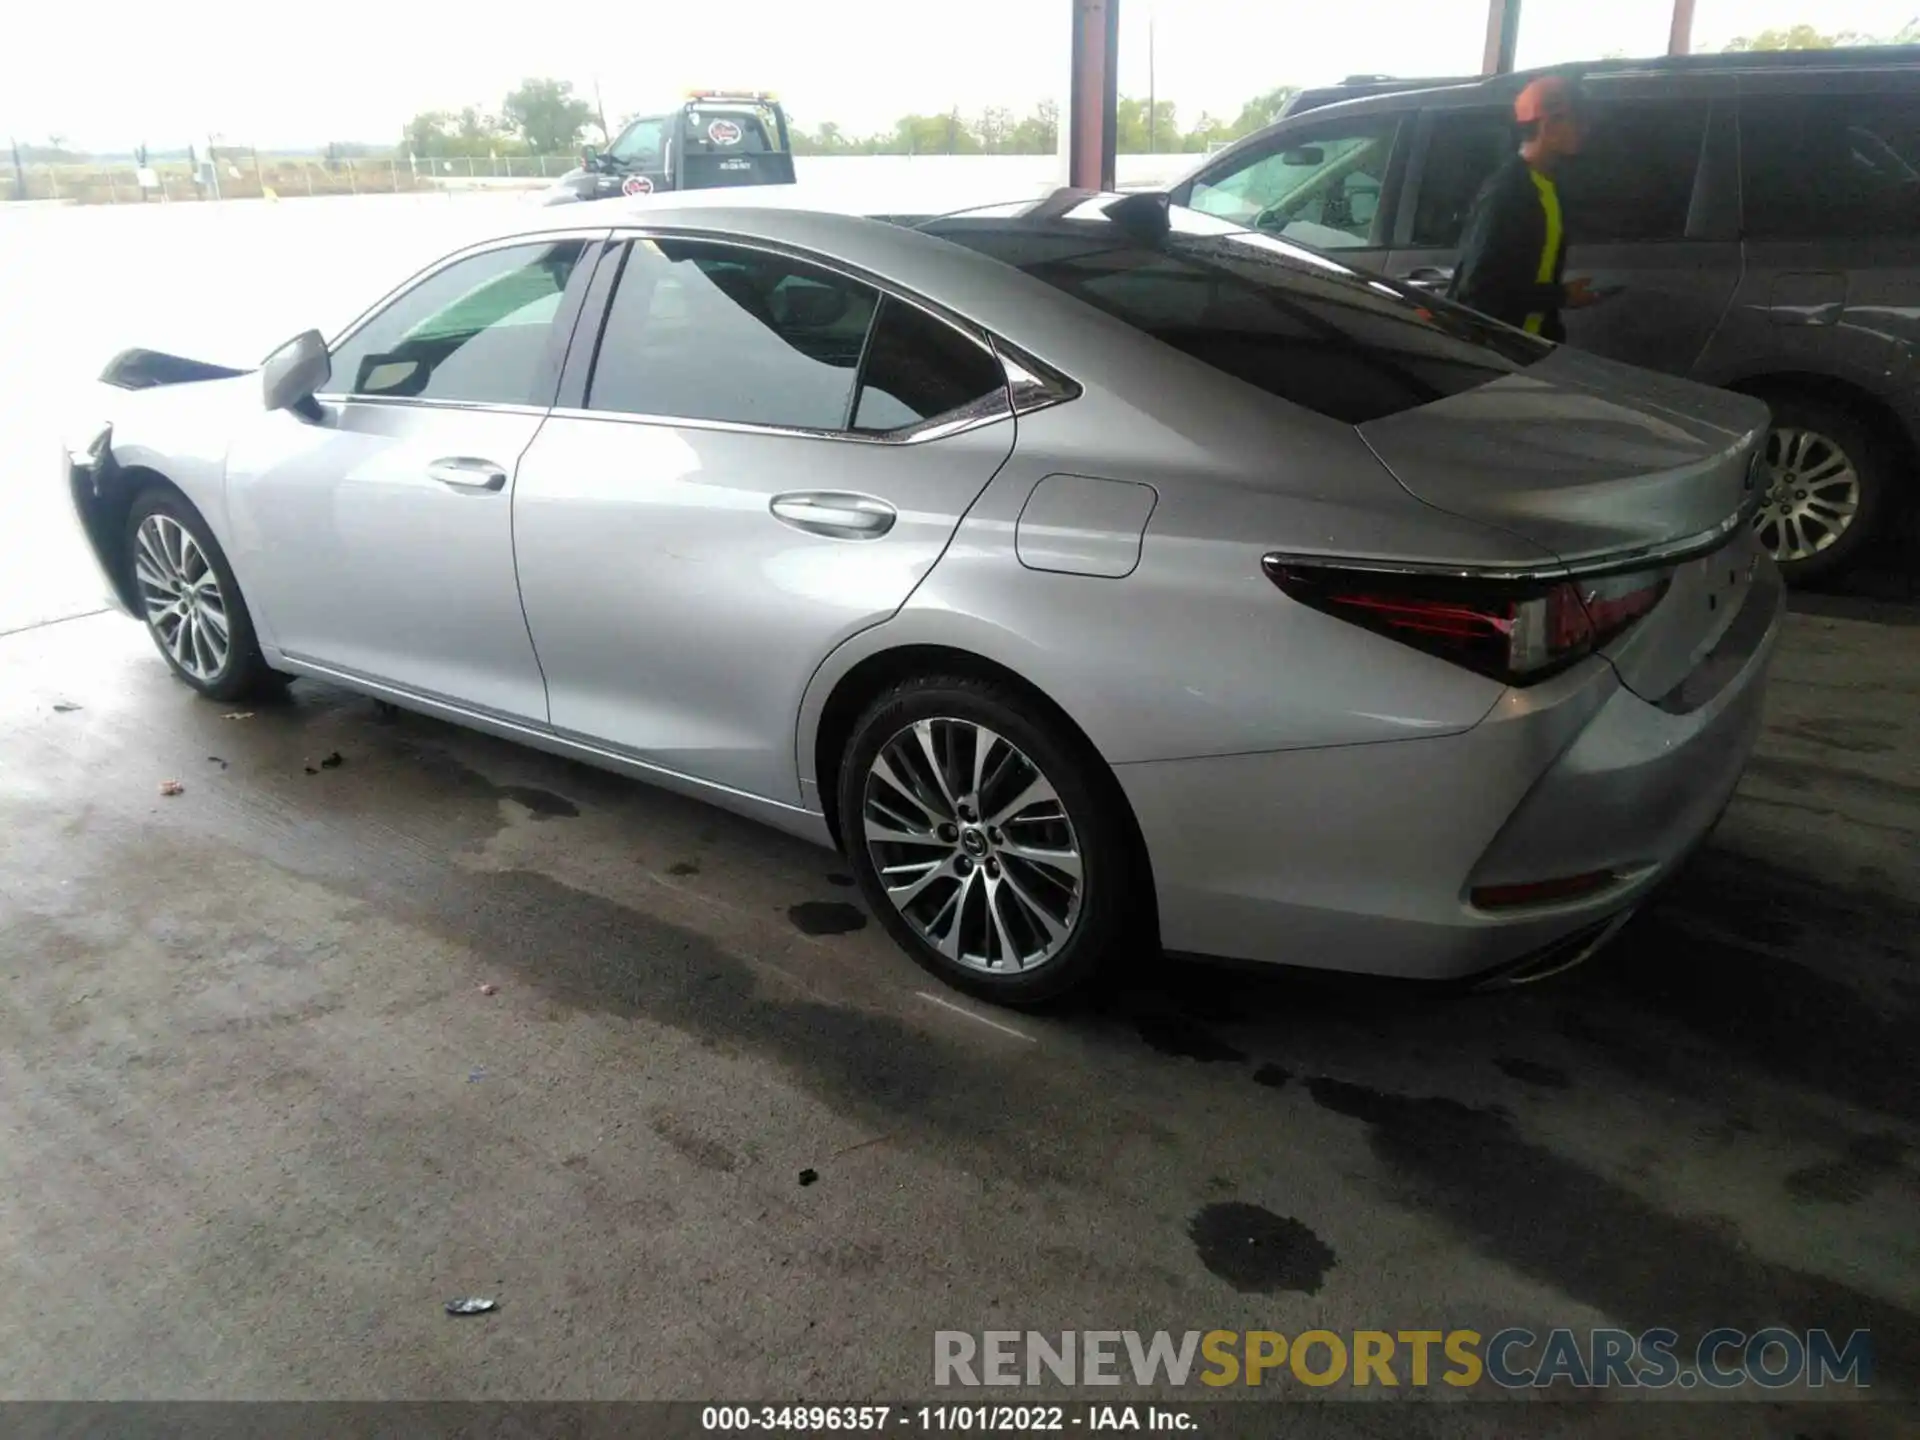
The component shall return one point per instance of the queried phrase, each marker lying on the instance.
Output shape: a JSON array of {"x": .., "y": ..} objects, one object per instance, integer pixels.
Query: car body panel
[
  {"x": 368, "y": 564},
  {"x": 649, "y": 551},
  {"x": 1362, "y": 858},
  {"x": 1584, "y": 457}
]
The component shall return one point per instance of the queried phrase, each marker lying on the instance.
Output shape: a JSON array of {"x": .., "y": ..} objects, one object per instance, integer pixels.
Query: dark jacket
[{"x": 1503, "y": 254}]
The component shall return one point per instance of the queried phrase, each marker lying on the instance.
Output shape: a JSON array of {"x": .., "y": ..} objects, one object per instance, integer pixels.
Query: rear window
[
  {"x": 725, "y": 131},
  {"x": 1287, "y": 320}
]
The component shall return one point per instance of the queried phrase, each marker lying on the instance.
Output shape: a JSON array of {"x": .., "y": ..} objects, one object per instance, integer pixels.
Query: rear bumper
[{"x": 1362, "y": 857}]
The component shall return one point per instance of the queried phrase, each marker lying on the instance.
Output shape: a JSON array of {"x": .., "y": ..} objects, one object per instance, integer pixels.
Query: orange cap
[{"x": 1549, "y": 97}]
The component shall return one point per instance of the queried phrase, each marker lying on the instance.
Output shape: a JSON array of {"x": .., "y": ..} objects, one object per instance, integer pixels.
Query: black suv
[{"x": 1761, "y": 212}]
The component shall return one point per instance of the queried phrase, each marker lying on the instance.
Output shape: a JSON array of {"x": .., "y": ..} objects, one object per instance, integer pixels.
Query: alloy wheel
[
  {"x": 973, "y": 845},
  {"x": 1812, "y": 495},
  {"x": 181, "y": 594}
]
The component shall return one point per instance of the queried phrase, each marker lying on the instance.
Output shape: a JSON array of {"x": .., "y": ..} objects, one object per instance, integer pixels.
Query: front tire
[
  {"x": 990, "y": 840},
  {"x": 1828, "y": 476},
  {"x": 189, "y": 600}
]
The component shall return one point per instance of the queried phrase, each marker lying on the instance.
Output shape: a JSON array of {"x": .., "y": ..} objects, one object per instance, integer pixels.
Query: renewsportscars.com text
[{"x": 1511, "y": 1359}]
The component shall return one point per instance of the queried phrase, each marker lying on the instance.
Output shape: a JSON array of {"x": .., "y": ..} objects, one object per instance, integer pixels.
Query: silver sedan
[{"x": 1094, "y": 574}]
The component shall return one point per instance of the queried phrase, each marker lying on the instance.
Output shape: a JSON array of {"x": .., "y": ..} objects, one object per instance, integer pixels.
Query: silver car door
[
  {"x": 767, "y": 457},
  {"x": 375, "y": 534}
]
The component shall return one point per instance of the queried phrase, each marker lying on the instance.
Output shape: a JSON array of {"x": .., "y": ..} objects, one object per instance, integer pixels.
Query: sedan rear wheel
[
  {"x": 189, "y": 599},
  {"x": 991, "y": 843},
  {"x": 1825, "y": 486}
]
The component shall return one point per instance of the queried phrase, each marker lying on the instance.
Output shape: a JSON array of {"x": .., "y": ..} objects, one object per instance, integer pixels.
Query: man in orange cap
[{"x": 1514, "y": 249}]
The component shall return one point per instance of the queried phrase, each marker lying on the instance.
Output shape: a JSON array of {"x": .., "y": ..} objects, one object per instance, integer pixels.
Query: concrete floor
[{"x": 258, "y": 1119}]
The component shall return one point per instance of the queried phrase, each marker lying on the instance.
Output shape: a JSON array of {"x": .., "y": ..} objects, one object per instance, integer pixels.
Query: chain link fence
[{"x": 248, "y": 176}]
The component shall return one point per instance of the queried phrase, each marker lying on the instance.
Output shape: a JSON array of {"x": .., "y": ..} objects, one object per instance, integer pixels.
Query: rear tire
[
  {"x": 1821, "y": 459},
  {"x": 189, "y": 600},
  {"x": 1012, "y": 874}
]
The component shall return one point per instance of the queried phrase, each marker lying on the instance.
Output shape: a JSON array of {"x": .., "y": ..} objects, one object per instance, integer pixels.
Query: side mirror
[
  {"x": 294, "y": 372},
  {"x": 1304, "y": 155}
]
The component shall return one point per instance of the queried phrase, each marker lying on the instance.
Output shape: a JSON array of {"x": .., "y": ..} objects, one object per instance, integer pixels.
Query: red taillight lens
[{"x": 1515, "y": 631}]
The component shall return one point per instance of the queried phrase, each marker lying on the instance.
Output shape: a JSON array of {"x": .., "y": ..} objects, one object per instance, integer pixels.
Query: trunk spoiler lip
[{"x": 1672, "y": 552}]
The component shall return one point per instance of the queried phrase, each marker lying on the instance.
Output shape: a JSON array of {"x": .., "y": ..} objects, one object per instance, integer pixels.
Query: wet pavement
[{"x": 262, "y": 1117}]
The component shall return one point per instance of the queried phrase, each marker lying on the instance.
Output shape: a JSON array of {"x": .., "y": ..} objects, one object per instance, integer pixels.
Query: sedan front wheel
[{"x": 189, "y": 599}]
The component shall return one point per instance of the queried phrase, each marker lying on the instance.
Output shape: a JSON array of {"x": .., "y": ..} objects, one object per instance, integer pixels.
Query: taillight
[{"x": 1515, "y": 631}]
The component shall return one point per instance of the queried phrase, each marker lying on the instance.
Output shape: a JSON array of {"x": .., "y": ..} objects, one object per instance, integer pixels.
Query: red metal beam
[
  {"x": 1090, "y": 103},
  {"x": 1503, "y": 37},
  {"x": 1680, "y": 37}
]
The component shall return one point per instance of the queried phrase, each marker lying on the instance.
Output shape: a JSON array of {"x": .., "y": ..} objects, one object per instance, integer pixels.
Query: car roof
[
  {"x": 1375, "y": 95},
  {"x": 1037, "y": 318},
  {"x": 847, "y": 226}
]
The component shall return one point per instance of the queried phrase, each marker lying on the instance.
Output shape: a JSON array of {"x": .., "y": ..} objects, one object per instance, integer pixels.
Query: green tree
[
  {"x": 1133, "y": 135},
  {"x": 1038, "y": 133},
  {"x": 1207, "y": 132},
  {"x": 1262, "y": 110},
  {"x": 547, "y": 115},
  {"x": 1795, "y": 37},
  {"x": 935, "y": 135},
  {"x": 995, "y": 129}
]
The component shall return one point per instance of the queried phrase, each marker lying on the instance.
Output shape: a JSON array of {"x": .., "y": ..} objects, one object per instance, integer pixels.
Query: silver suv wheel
[{"x": 1812, "y": 496}]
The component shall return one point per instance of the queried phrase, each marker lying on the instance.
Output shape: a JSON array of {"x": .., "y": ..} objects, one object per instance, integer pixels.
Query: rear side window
[
  {"x": 1464, "y": 149},
  {"x": 919, "y": 368},
  {"x": 1294, "y": 324},
  {"x": 1633, "y": 180},
  {"x": 1830, "y": 167},
  {"x": 704, "y": 331}
]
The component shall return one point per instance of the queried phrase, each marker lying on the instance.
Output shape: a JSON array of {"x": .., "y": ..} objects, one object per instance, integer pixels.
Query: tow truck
[{"x": 715, "y": 138}]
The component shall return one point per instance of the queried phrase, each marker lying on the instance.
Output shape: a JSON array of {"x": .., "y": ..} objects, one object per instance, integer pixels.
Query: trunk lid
[{"x": 1597, "y": 462}]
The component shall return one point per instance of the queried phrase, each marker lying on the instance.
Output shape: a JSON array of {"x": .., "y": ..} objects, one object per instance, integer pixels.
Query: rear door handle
[
  {"x": 1430, "y": 277},
  {"x": 835, "y": 513},
  {"x": 467, "y": 472}
]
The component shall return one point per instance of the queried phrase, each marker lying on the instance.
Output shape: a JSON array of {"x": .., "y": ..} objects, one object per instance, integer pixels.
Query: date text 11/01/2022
[{"x": 816, "y": 1419}]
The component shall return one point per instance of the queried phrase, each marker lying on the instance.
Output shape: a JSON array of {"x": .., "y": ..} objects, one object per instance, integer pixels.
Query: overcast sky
[{"x": 113, "y": 73}]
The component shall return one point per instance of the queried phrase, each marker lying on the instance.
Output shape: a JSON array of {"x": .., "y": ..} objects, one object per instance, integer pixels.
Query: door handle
[
  {"x": 465, "y": 472},
  {"x": 1430, "y": 277},
  {"x": 835, "y": 513}
]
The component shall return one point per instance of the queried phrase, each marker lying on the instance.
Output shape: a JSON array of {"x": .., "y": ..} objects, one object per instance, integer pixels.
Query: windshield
[{"x": 1275, "y": 315}]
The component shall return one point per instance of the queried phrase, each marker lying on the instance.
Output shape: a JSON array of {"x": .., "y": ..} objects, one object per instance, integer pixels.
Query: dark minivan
[{"x": 1761, "y": 212}]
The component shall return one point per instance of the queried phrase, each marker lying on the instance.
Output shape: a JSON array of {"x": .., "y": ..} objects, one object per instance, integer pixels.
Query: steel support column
[
  {"x": 1503, "y": 37},
  {"x": 1091, "y": 98},
  {"x": 1680, "y": 37}
]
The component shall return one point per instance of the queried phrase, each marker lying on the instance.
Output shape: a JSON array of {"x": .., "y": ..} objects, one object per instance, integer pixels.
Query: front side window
[
  {"x": 705, "y": 331},
  {"x": 478, "y": 331},
  {"x": 1289, "y": 322},
  {"x": 1465, "y": 147},
  {"x": 1633, "y": 180},
  {"x": 1322, "y": 188},
  {"x": 639, "y": 145},
  {"x": 1830, "y": 167}
]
